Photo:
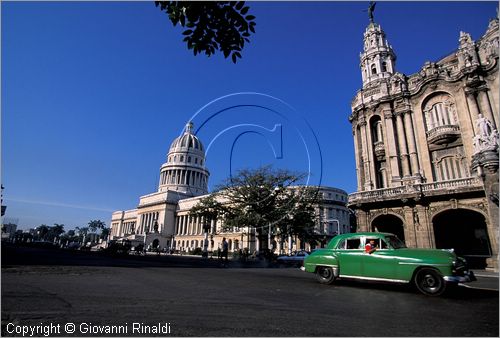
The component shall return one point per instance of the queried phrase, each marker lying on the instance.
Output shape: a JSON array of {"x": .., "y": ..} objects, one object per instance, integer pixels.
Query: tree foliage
[
  {"x": 96, "y": 224},
  {"x": 212, "y": 25},
  {"x": 263, "y": 199},
  {"x": 49, "y": 233}
]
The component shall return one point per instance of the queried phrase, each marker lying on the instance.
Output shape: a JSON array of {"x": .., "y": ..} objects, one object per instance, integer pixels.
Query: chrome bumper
[{"x": 468, "y": 277}]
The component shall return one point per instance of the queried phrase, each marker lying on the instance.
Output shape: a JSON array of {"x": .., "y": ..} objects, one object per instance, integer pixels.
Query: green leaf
[
  {"x": 240, "y": 4},
  {"x": 187, "y": 32},
  {"x": 234, "y": 57},
  {"x": 244, "y": 10},
  {"x": 250, "y": 17}
]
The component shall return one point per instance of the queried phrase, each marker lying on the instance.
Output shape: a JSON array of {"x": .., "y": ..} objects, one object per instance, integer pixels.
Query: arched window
[
  {"x": 182, "y": 158},
  {"x": 439, "y": 111},
  {"x": 384, "y": 67},
  {"x": 449, "y": 164},
  {"x": 376, "y": 127},
  {"x": 374, "y": 69}
]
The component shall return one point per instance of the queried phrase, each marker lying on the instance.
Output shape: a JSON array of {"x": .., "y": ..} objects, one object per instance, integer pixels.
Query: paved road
[{"x": 212, "y": 301}]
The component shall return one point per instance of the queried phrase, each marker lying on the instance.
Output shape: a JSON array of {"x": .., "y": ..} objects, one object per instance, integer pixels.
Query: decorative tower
[
  {"x": 378, "y": 59},
  {"x": 185, "y": 170}
]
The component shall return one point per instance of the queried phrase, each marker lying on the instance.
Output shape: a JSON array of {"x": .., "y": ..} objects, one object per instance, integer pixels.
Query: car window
[
  {"x": 341, "y": 244},
  {"x": 353, "y": 243},
  {"x": 395, "y": 242},
  {"x": 383, "y": 244}
]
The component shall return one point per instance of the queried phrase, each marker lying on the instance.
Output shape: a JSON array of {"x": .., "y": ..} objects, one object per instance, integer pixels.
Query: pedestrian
[{"x": 225, "y": 249}]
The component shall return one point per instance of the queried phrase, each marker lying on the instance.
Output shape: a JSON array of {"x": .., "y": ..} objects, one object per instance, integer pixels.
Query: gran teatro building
[
  {"x": 426, "y": 146},
  {"x": 162, "y": 218}
]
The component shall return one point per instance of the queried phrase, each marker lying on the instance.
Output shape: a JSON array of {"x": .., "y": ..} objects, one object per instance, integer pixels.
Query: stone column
[
  {"x": 362, "y": 220},
  {"x": 356, "y": 157},
  {"x": 409, "y": 228},
  {"x": 190, "y": 225},
  {"x": 402, "y": 145},
  {"x": 484, "y": 104},
  {"x": 410, "y": 136},
  {"x": 488, "y": 161},
  {"x": 371, "y": 160},
  {"x": 365, "y": 158},
  {"x": 390, "y": 145},
  {"x": 473, "y": 109}
]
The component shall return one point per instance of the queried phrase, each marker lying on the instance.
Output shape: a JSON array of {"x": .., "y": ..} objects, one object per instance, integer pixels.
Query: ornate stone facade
[{"x": 426, "y": 147}]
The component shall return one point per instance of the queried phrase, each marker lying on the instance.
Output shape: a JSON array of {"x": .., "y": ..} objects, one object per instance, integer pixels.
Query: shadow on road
[
  {"x": 452, "y": 292},
  {"x": 22, "y": 255}
]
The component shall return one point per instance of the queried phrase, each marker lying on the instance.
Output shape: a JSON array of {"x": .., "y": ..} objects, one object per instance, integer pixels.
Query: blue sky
[{"x": 93, "y": 94}]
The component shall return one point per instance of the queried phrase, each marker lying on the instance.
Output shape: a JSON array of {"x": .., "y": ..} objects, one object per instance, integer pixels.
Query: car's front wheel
[
  {"x": 325, "y": 275},
  {"x": 430, "y": 282}
]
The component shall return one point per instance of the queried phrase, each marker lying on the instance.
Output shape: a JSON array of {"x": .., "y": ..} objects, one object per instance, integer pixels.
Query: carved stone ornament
[
  {"x": 487, "y": 138},
  {"x": 385, "y": 211}
]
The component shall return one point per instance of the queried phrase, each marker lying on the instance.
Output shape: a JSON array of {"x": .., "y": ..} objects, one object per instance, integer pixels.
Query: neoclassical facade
[
  {"x": 163, "y": 218},
  {"x": 426, "y": 147}
]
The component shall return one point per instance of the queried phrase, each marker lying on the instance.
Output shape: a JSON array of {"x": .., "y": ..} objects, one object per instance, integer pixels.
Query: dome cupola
[
  {"x": 184, "y": 171},
  {"x": 187, "y": 140}
]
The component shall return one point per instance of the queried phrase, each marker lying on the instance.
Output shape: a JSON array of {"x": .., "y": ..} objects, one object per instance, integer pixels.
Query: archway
[
  {"x": 389, "y": 223},
  {"x": 155, "y": 243},
  {"x": 464, "y": 231}
]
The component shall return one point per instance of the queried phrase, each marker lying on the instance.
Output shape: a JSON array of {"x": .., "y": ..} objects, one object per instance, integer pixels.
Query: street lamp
[{"x": 338, "y": 225}]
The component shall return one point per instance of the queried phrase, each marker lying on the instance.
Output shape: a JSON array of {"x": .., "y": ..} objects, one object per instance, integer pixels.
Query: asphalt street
[{"x": 199, "y": 298}]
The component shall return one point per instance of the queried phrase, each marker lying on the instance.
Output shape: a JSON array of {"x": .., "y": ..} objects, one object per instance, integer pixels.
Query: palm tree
[{"x": 96, "y": 224}]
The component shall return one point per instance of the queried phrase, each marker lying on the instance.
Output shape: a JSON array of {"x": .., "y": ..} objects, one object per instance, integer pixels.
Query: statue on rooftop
[{"x": 371, "y": 9}]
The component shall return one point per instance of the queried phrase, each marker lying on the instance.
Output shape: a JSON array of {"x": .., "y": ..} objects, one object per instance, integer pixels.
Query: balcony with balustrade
[
  {"x": 417, "y": 191},
  {"x": 443, "y": 134}
]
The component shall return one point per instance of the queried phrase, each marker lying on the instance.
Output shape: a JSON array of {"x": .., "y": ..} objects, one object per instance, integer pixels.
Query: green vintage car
[{"x": 347, "y": 256}]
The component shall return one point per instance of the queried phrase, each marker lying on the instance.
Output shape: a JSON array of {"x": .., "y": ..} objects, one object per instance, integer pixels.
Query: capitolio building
[{"x": 163, "y": 219}]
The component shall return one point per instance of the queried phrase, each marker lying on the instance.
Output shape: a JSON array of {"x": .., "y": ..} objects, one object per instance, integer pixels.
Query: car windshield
[{"x": 395, "y": 242}]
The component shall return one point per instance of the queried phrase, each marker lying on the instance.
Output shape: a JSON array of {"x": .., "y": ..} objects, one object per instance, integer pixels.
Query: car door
[
  {"x": 350, "y": 253},
  {"x": 381, "y": 263}
]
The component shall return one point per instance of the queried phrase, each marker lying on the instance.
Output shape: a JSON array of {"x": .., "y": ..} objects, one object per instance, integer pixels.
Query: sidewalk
[{"x": 486, "y": 280}]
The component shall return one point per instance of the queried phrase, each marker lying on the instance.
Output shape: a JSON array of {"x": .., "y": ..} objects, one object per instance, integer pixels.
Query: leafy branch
[{"x": 214, "y": 25}]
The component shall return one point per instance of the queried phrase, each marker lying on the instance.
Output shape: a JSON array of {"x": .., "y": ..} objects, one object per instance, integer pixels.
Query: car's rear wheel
[
  {"x": 429, "y": 282},
  {"x": 325, "y": 275}
]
